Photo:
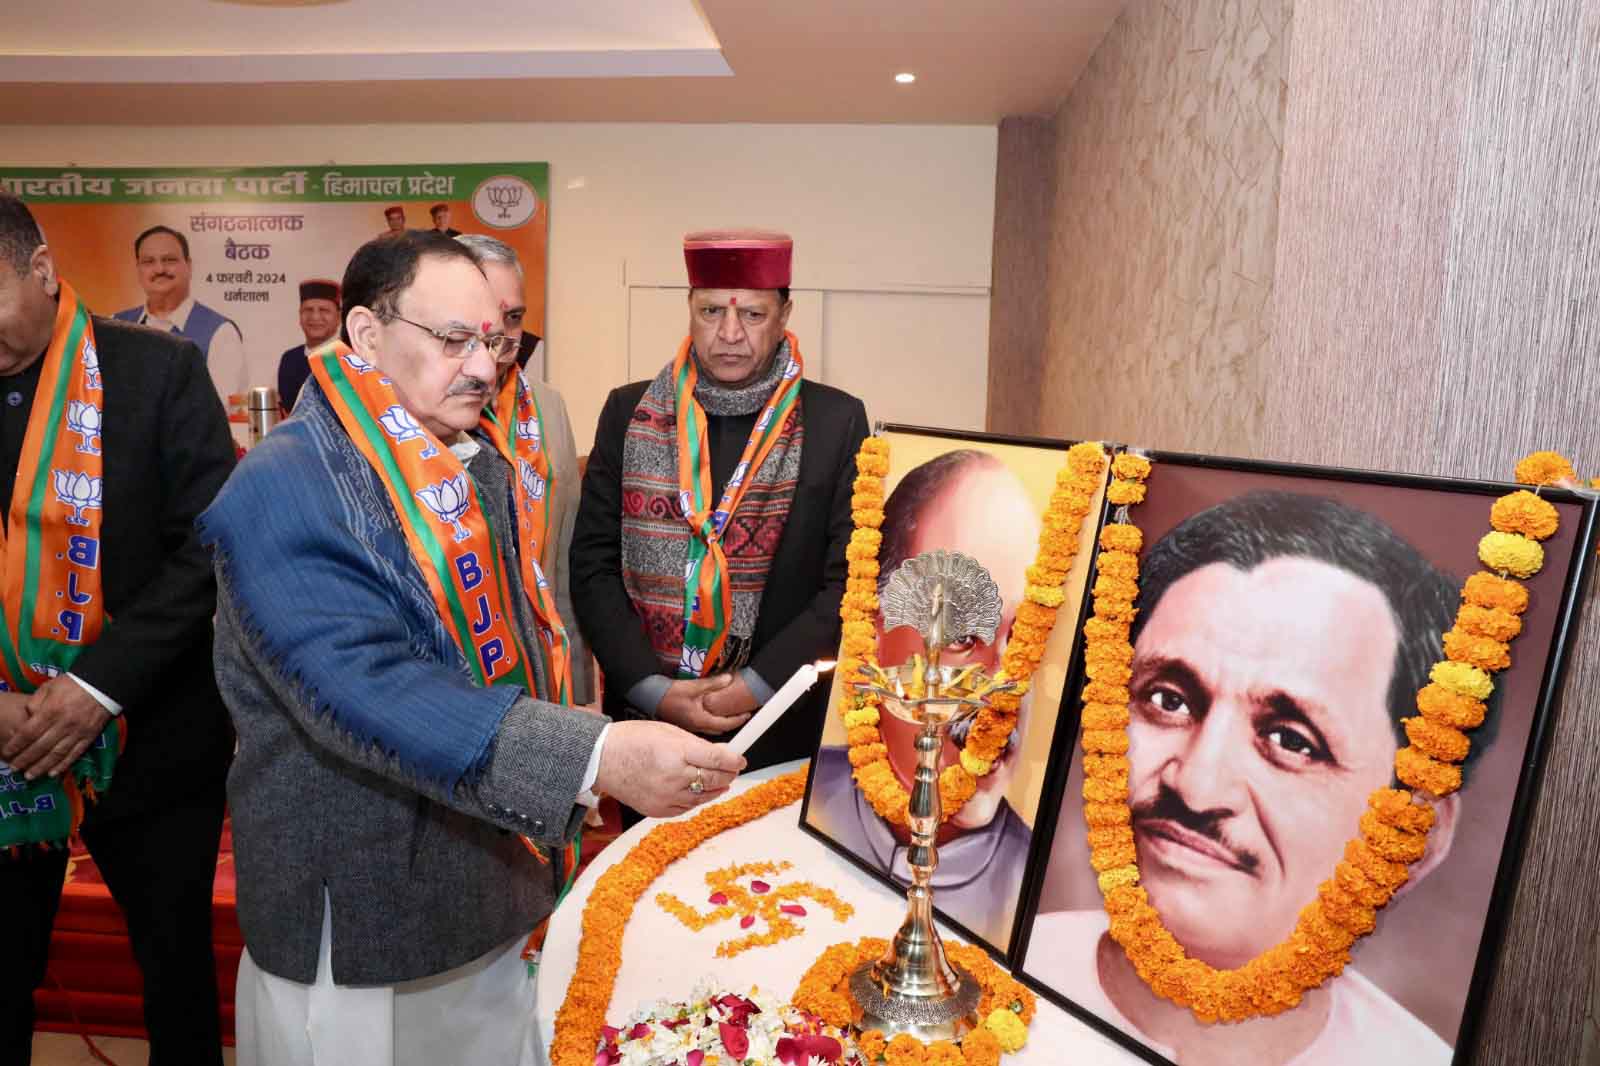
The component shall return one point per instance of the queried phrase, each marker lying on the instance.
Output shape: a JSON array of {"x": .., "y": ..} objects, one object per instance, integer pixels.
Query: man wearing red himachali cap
[{"x": 709, "y": 555}]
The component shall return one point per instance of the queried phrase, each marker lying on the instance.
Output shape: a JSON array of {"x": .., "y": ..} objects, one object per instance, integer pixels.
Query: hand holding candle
[{"x": 781, "y": 701}]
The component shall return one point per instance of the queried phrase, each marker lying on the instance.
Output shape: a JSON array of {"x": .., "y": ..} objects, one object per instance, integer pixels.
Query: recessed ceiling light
[{"x": 905, "y": 77}]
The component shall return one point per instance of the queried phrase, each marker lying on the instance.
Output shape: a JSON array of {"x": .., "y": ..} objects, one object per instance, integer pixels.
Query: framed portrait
[
  {"x": 1287, "y": 617},
  {"x": 983, "y": 496}
]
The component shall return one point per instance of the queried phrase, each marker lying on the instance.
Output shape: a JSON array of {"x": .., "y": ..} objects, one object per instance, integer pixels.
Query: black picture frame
[
  {"x": 1064, "y": 753},
  {"x": 999, "y": 950}
]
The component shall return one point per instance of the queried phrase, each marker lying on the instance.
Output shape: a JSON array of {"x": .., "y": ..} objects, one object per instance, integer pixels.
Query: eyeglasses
[{"x": 461, "y": 343}]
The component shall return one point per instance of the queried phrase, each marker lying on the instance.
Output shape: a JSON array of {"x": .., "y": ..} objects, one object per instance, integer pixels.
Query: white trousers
[{"x": 479, "y": 1014}]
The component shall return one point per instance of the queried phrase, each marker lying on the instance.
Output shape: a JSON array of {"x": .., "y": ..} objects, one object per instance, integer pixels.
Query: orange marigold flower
[
  {"x": 1100, "y": 692},
  {"x": 1523, "y": 512},
  {"x": 1393, "y": 844},
  {"x": 1085, "y": 485},
  {"x": 868, "y": 753},
  {"x": 1101, "y": 630},
  {"x": 1421, "y": 770},
  {"x": 1125, "y": 492},
  {"x": 1098, "y": 716},
  {"x": 1042, "y": 575},
  {"x": 1102, "y": 815},
  {"x": 1484, "y": 589},
  {"x": 1443, "y": 742},
  {"x": 1121, "y": 538},
  {"x": 1106, "y": 767},
  {"x": 1110, "y": 673},
  {"x": 1482, "y": 652},
  {"x": 943, "y": 1053},
  {"x": 1359, "y": 885},
  {"x": 904, "y": 1050},
  {"x": 869, "y": 519},
  {"x": 1496, "y": 623},
  {"x": 874, "y": 465},
  {"x": 981, "y": 1047},
  {"x": 1110, "y": 858},
  {"x": 1545, "y": 468},
  {"x": 1396, "y": 807},
  {"x": 1067, "y": 523},
  {"x": 1115, "y": 610},
  {"x": 1118, "y": 564},
  {"x": 1110, "y": 836},
  {"x": 863, "y": 735},
  {"x": 1087, "y": 457},
  {"x": 1105, "y": 741},
  {"x": 871, "y": 1045},
  {"x": 1130, "y": 467},
  {"x": 1119, "y": 651},
  {"x": 1447, "y": 707}
]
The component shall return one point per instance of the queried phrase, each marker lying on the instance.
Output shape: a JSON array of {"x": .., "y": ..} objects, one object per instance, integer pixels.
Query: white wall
[{"x": 893, "y": 229}]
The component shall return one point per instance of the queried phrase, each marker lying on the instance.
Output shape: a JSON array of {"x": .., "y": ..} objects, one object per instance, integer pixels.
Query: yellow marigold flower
[
  {"x": 1125, "y": 492},
  {"x": 1130, "y": 467},
  {"x": 1110, "y": 858},
  {"x": 1393, "y": 844},
  {"x": 1042, "y": 575},
  {"x": 1523, "y": 512},
  {"x": 874, "y": 465},
  {"x": 975, "y": 766},
  {"x": 1463, "y": 679},
  {"x": 1482, "y": 652},
  {"x": 1594, "y": 483},
  {"x": 904, "y": 1050},
  {"x": 1512, "y": 553},
  {"x": 1086, "y": 458},
  {"x": 869, "y": 519},
  {"x": 1007, "y": 1029},
  {"x": 1121, "y": 538},
  {"x": 864, "y": 716},
  {"x": 867, "y": 483},
  {"x": 1443, "y": 742},
  {"x": 1489, "y": 590},
  {"x": 1044, "y": 595},
  {"x": 1422, "y": 771},
  {"x": 1448, "y": 707},
  {"x": 1104, "y": 815},
  {"x": 875, "y": 445},
  {"x": 1544, "y": 468}
]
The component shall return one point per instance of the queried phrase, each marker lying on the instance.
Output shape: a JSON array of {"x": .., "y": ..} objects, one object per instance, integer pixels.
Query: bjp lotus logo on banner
[
  {"x": 77, "y": 491},
  {"x": 504, "y": 201},
  {"x": 398, "y": 423},
  {"x": 84, "y": 420},
  {"x": 449, "y": 500}
]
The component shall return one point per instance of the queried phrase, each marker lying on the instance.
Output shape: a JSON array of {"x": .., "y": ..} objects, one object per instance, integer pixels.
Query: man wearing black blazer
[
  {"x": 787, "y": 448},
  {"x": 154, "y": 834}
]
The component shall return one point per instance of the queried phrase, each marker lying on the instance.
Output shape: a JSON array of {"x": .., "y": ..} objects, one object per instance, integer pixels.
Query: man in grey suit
[
  {"x": 390, "y": 670},
  {"x": 501, "y": 266}
]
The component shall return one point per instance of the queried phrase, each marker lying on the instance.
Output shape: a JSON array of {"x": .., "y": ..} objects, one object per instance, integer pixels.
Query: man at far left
[{"x": 112, "y": 441}]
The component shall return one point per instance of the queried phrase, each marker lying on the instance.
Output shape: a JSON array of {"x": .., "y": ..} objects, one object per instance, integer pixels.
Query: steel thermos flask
[{"x": 263, "y": 411}]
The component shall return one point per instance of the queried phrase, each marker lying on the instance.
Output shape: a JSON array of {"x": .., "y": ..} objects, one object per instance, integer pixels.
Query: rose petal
[
  {"x": 719, "y": 898},
  {"x": 747, "y": 921},
  {"x": 695, "y": 1058},
  {"x": 794, "y": 909},
  {"x": 675, "y": 1022},
  {"x": 610, "y": 1033},
  {"x": 639, "y": 1032},
  {"x": 759, "y": 887},
  {"x": 607, "y": 1056},
  {"x": 734, "y": 1040}
]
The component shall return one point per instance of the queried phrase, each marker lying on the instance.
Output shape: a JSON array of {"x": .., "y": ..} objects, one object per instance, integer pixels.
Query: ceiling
[{"x": 230, "y": 62}]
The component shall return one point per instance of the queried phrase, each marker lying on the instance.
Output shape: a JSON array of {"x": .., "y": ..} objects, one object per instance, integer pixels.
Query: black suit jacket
[
  {"x": 167, "y": 452},
  {"x": 799, "y": 615}
]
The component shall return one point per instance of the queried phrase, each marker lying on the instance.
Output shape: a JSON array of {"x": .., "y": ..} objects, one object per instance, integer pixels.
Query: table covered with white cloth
[{"x": 663, "y": 959}]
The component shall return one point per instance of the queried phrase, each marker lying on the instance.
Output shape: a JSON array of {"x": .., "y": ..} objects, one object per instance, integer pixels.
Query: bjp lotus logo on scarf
[
  {"x": 398, "y": 423},
  {"x": 358, "y": 364},
  {"x": 532, "y": 483},
  {"x": 685, "y": 502},
  {"x": 91, "y": 367},
  {"x": 77, "y": 491},
  {"x": 738, "y": 475},
  {"x": 449, "y": 500},
  {"x": 84, "y": 420},
  {"x": 528, "y": 430},
  {"x": 692, "y": 661}
]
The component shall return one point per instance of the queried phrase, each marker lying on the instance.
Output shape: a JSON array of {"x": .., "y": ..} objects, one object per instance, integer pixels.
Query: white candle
[{"x": 781, "y": 701}]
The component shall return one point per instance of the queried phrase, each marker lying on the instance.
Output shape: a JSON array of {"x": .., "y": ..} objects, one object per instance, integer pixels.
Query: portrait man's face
[
  {"x": 163, "y": 269},
  {"x": 735, "y": 332},
  {"x": 441, "y": 219},
  {"x": 319, "y": 320},
  {"x": 396, "y": 220},
  {"x": 982, "y": 511},
  {"x": 1260, "y": 724}
]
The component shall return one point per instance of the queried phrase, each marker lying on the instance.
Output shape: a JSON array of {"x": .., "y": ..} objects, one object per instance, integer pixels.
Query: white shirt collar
[{"x": 178, "y": 319}]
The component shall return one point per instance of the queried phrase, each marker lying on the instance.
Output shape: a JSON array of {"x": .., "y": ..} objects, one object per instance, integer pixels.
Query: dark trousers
[{"x": 159, "y": 868}]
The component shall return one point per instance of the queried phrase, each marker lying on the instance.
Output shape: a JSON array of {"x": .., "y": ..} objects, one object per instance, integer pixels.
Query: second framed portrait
[
  {"x": 984, "y": 497},
  {"x": 1287, "y": 618}
]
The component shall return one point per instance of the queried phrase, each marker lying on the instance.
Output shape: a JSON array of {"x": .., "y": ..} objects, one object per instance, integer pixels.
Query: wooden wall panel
[
  {"x": 1024, "y": 191},
  {"x": 1437, "y": 309},
  {"x": 1162, "y": 244}
]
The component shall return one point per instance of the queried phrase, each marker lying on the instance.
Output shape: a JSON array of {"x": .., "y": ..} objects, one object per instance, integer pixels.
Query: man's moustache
[
  {"x": 1169, "y": 806},
  {"x": 469, "y": 385}
]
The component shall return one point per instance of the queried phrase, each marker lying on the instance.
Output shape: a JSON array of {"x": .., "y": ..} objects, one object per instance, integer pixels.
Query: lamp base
[{"x": 928, "y": 1018}]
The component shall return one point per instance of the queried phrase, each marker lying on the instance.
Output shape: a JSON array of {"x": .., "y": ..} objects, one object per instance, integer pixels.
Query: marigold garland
[
  {"x": 1006, "y": 1008},
  {"x": 1393, "y": 830},
  {"x": 582, "y": 1015},
  {"x": 1076, "y": 485},
  {"x": 774, "y": 904}
]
